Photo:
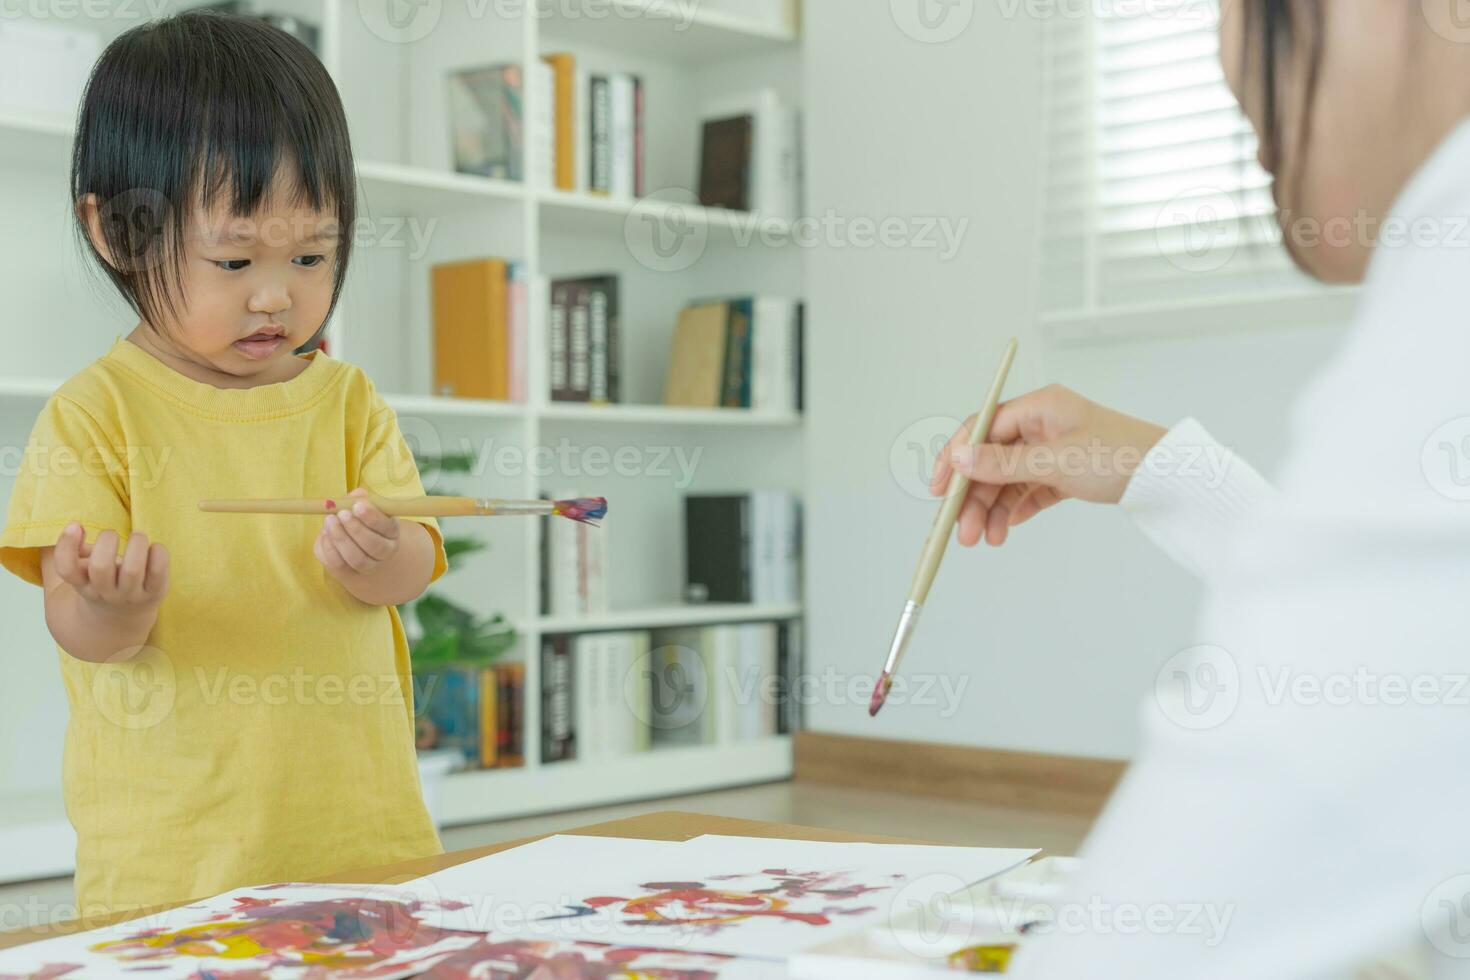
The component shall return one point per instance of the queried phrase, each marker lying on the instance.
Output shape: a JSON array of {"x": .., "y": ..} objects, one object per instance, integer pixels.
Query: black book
[
  {"x": 717, "y": 538},
  {"x": 724, "y": 163},
  {"x": 558, "y": 728}
]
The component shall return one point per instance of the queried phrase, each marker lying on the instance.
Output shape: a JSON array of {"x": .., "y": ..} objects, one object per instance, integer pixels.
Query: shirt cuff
[{"x": 1189, "y": 494}]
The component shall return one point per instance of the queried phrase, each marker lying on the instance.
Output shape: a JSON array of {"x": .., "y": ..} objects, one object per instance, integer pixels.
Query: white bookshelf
[{"x": 394, "y": 95}]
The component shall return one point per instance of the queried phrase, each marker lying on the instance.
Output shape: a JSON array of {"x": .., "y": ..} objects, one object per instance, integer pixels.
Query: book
[
  {"x": 600, "y": 135},
  {"x": 585, "y": 337},
  {"x": 490, "y": 699},
  {"x": 511, "y": 728},
  {"x": 486, "y": 121},
  {"x": 564, "y": 72},
  {"x": 518, "y": 315},
  {"x": 640, "y": 181},
  {"x": 471, "y": 335},
  {"x": 450, "y": 712},
  {"x": 696, "y": 375},
  {"x": 789, "y": 670},
  {"x": 559, "y": 342},
  {"x": 752, "y": 144},
  {"x": 558, "y": 733},
  {"x": 717, "y": 548},
  {"x": 681, "y": 670},
  {"x": 725, "y": 162},
  {"x": 742, "y": 547},
  {"x": 574, "y": 570},
  {"x": 736, "y": 385},
  {"x": 621, "y": 137}
]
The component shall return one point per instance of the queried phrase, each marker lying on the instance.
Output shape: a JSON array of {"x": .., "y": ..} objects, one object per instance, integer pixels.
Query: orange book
[
  {"x": 471, "y": 333},
  {"x": 564, "y": 73},
  {"x": 489, "y": 718}
]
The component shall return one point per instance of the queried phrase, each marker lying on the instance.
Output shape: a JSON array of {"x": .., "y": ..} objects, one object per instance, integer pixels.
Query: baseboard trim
[{"x": 1023, "y": 780}]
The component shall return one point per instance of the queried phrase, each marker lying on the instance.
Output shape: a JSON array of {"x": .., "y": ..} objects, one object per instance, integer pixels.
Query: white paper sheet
[{"x": 732, "y": 895}]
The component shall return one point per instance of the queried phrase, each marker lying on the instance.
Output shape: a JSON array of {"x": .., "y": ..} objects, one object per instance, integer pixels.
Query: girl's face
[
  {"x": 1388, "y": 90},
  {"x": 253, "y": 290}
]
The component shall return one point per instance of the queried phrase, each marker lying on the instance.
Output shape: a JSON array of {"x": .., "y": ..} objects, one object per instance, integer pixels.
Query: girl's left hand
[{"x": 357, "y": 540}]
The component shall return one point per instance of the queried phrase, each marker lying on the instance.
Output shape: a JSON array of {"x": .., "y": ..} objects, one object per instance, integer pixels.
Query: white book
[
  {"x": 583, "y": 104},
  {"x": 593, "y": 541},
  {"x": 563, "y": 598},
  {"x": 772, "y": 355},
  {"x": 761, "y": 545},
  {"x": 638, "y": 689},
  {"x": 583, "y": 703},
  {"x": 766, "y": 689},
  {"x": 623, "y": 149},
  {"x": 619, "y": 714},
  {"x": 541, "y": 125},
  {"x": 750, "y": 684}
]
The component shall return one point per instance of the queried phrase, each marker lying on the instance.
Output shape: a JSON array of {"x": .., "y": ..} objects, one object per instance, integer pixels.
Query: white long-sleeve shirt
[{"x": 1301, "y": 803}]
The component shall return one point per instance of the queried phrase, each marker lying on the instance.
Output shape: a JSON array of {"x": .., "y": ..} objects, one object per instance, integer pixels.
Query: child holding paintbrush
[{"x": 239, "y": 686}]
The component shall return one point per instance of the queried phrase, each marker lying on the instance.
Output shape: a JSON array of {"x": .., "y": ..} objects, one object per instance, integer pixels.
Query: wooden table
[{"x": 669, "y": 825}]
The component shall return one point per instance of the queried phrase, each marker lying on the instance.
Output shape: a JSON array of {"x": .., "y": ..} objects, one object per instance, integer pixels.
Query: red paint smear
[
  {"x": 331, "y": 505},
  {"x": 880, "y": 694}
]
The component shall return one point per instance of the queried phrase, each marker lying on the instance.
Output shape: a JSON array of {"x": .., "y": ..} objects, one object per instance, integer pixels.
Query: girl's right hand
[
  {"x": 1044, "y": 447},
  {"x": 124, "y": 587}
]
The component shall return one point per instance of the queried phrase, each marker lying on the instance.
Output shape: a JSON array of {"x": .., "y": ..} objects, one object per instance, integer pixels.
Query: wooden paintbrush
[
  {"x": 938, "y": 539},
  {"x": 584, "y": 510}
]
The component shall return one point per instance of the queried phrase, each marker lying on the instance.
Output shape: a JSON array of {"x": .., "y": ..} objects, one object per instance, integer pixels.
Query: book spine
[
  {"x": 518, "y": 318},
  {"x": 597, "y": 384},
  {"x": 639, "y": 178},
  {"x": 564, "y": 69},
  {"x": 512, "y": 723},
  {"x": 614, "y": 342},
  {"x": 558, "y": 736},
  {"x": 559, "y": 342},
  {"x": 621, "y": 96},
  {"x": 490, "y": 717},
  {"x": 736, "y": 350},
  {"x": 600, "y": 176},
  {"x": 579, "y": 368}
]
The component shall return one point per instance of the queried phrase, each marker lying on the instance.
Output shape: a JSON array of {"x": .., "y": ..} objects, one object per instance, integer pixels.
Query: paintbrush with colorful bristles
[{"x": 584, "y": 510}]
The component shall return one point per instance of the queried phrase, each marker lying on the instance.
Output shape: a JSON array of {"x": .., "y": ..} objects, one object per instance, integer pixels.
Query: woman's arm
[{"x": 1184, "y": 489}]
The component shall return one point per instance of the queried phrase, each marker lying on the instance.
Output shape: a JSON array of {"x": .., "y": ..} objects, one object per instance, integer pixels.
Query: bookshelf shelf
[
  {"x": 432, "y": 405},
  {"x": 667, "y": 616},
  {"x": 391, "y": 190},
  {"x": 666, "y": 415},
  {"x": 497, "y": 794},
  {"x": 671, "y": 30},
  {"x": 564, "y": 212}
]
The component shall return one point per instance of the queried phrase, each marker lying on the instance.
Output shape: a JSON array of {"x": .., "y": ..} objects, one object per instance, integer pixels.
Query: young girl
[{"x": 241, "y": 709}]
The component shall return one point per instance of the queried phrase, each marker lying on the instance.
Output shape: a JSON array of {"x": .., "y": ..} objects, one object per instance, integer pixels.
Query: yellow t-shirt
[{"x": 266, "y": 732}]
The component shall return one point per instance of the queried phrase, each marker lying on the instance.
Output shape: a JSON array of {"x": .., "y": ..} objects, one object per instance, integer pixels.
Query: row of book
[
  {"x": 481, "y": 325},
  {"x": 478, "y": 711},
  {"x": 750, "y": 156},
  {"x": 583, "y": 340},
  {"x": 584, "y": 129},
  {"x": 606, "y": 695},
  {"x": 744, "y": 352},
  {"x": 742, "y": 547},
  {"x": 738, "y": 353}
]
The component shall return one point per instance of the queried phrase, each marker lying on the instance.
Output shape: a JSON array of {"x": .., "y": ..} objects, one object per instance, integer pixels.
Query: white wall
[{"x": 1059, "y": 634}]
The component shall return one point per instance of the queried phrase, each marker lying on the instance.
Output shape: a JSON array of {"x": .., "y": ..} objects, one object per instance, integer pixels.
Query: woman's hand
[
  {"x": 1045, "y": 447},
  {"x": 112, "y": 587},
  {"x": 357, "y": 541}
]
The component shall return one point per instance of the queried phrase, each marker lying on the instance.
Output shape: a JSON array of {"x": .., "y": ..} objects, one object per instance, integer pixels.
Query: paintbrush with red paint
[
  {"x": 938, "y": 539},
  {"x": 584, "y": 510}
]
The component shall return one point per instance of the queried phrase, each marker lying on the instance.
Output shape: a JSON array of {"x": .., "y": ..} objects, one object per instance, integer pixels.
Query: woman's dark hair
[
  {"x": 198, "y": 108},
  {"x": 1273, "y": 31}
]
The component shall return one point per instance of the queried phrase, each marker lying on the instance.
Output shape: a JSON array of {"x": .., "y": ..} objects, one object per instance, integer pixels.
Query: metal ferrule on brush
[{"x": 906, "y": 625}]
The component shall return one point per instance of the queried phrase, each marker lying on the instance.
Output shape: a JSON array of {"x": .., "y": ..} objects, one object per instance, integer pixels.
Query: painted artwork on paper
[
  {"x": 727, "y": 895},
  {"x": 336, "y": 932},
  {"x": 312, "y": 932}
]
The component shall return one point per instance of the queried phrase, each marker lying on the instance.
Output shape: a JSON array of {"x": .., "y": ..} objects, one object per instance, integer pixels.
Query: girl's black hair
[
  {"x": 1274, "y": 29},
  {"x": 198, "y": 108}
]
